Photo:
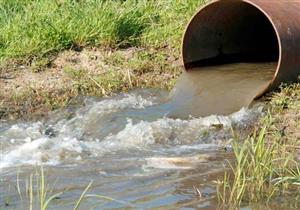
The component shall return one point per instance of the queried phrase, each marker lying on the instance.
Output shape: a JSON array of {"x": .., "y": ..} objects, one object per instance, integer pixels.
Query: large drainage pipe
[{"x": 227, "y": 31}]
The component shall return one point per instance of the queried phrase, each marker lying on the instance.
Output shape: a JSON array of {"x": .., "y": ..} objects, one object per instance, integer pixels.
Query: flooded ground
[{"x": 144, "y": 149}]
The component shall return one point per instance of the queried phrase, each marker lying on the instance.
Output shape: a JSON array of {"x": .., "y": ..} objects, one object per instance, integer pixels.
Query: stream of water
[{"x": 147, "y": 149}]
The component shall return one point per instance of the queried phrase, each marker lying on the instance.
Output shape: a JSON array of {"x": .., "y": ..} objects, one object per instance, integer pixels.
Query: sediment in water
[{"x": 219, "y": 90}]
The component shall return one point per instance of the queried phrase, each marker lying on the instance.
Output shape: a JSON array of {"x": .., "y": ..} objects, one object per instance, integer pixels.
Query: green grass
[
  {"x": 39, "y": 193},
  {"x": 266, "y": 163},
  {"x": 34, "y": 32},
  {"x": 263, "y": 170},
  {"x": 39, "y": 28}
]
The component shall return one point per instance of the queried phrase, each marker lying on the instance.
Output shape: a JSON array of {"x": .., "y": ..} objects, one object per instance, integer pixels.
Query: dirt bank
[{"x": 30, "y": 90}]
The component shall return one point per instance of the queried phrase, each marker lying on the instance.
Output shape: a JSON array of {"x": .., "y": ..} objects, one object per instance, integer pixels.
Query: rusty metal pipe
[{"x": 226, "y": 31}]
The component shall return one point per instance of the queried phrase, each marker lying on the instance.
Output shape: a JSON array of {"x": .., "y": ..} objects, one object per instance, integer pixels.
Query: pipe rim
[{"x": 279, "y": 61}]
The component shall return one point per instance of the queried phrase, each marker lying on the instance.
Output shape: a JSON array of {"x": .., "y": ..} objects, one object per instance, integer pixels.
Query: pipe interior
[{"x": 229, "y": 32}]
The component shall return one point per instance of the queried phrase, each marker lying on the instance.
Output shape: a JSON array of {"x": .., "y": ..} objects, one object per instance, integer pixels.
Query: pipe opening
[{"x": 229, "y": 32}]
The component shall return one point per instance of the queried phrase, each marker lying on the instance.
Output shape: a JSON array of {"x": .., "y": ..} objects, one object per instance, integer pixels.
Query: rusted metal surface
[{"x": 227, "y": 31}]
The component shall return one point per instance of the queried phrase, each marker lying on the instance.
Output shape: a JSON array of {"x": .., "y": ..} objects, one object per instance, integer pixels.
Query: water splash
[{"x": 114, "y": 125}]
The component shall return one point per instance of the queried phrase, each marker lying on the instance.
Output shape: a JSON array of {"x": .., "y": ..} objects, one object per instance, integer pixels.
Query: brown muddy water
[
  {"x": 146, "y": 149},
  {"x": 221, "y": 90}
]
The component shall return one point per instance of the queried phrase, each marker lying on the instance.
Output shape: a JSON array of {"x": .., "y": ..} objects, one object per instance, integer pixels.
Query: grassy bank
[
  {"x": 33, "y": 29},
  {"x": 91, "y": 72},
  {"x": 267, "y": 162},
  {"x": 130, "y": 43}
]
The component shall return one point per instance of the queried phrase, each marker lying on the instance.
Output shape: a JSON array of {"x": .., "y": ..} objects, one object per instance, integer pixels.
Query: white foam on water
[
  {"x": 177, "y": 162},
  {"x": 25, "y": 143},
  {"x": 94, "y": 111},
  {"x": 28, "y": 143},
  {"x": 164, "y": 163}
]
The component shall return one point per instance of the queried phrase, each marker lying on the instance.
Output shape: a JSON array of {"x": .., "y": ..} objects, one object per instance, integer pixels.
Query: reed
[
  {"x": 39, "y": 193},
  {"x": 265, "y": 168}
]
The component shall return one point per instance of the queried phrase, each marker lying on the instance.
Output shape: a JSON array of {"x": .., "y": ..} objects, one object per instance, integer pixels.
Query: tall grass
[
  {"x": 31, "y": 28},
  {"x": 264, "y": 168},
  {"x": 40, "y": 194}
]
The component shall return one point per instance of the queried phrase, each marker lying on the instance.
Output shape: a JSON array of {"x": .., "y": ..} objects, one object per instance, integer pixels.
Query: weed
[
  {"x": 264, "y": 168},
  {"x": 39, "y": 195},
  {"x": 40, "y": 64}
]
